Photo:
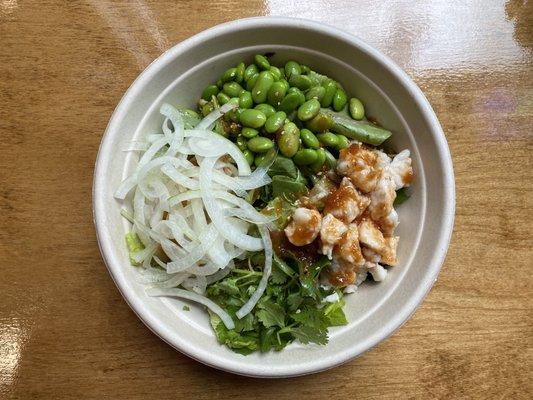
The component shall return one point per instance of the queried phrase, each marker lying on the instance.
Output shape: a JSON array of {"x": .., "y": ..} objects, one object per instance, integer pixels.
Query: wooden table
[{"x": 65, "y": 331}]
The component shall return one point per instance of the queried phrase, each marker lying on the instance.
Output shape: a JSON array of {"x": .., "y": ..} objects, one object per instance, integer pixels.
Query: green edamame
[
  {"x": 266, "y": 109},
  {"x": 309, "y": 139},
  {"x": 316, "y": 92},
  {"x": 357, "y": 110},
  {"x": 249, "y": 156},
  {"x": 305, "y": 69},
  {"x": 328, "y": 139},
  {"x": 301, "y": 95},
  {"x": 275, "y": 121},
  {"x": 320, "y": 123},
  {"x": 220, "y": 84},
  {"x": 305, "y": 157},
  {"x": 252, "y": 118},
  {"x": 250, "y": 83},
  {"x": 261, "y": 62},
  {"x": 343, "y": 142},
  {"x": 339, "y": 99},
  {"x": 259, "y": 159},
  {"x": 308, "y": 110},
  {"x": 276, "y": 93},
  {"x": 290, "y": 102},
  {"x": 320, "y": 160},
  {"x": 302, "y": 82},
  {"x": 229, "y": 75},
  {"x": 330, "y": 87},
  {"x": 241, "y": 143},
  {"x": 207, "y": 108},
  {"x": 276, "y": 73},
  {"x": 209, "y": 91},
  {"x": 249, "y": 133},
  {"x": 232, "y": 89},
  {"x": 289, "y": 139},
  {"x": 239, "y": 72},
  {"x": 223, "y": 98},
  {"x": 285, "y": 83},
  {"x": 292, "y": 68},
  {"x": 245, "y": 99},
  {"x": 262, "y": 86},
  {"x": 260, "y": 144},
  {"x": 250, "y": 71}
]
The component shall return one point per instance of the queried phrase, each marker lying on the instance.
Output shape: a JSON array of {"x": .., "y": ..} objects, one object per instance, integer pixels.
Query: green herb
[
  {"x": 401, "y": 196},
  {"x": 134, "y": 245},
  {"x": 292, "y": 307},
  {"x": 186, "y": 308}
]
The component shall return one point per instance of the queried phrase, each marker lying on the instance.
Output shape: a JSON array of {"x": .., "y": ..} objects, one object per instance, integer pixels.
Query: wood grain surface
[{"x": 65, "y": 331}]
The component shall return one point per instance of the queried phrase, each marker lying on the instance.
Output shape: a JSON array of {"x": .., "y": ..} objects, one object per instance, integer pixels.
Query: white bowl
[{"x": 178, "y": 77}]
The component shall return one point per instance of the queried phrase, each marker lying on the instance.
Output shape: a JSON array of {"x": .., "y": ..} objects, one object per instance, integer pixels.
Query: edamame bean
[
  {"x": 276, "y": 73},
  {"x": 250, "y": 83},
  {"x": 239, "y": 72},
  {"x": 320, "y": 160},
  {"x": 220, "y": 84},
  {"x": 252, "y": 118},
  {"x": 328, "y": 139},
  {"x": 301, "y": 96},
  {"x": 309, "y": 139},
  {"x": 233, "y": 115},
  {"x": 207, "y": 108},
  {"x": 260, "y": 144},
  {"x": 320, "y": 123},
  {"x": 229, "y": 75},
  {"x": 305, "y": 69},
  {"x": 220, "y": 127},
  {"x": 302, "y": 82},
  {"x": 275, "y": 121},
  {"x": 357, "y": 110},
  {"x": 250, "y": 71},
  {"x": 241, "y": 143},
  {"x": 249, "y": 133},
  {"x": 276, "y": 94},
  {"x": 305, "y": 157},
  {"x": 222, "y": 98},
  {"x": 209, "y": 91},
  {"x": 285, "y": 83},
  {"x": 262, "y": 86},
  {"x": 232, "y": 89},
  {"x": 261, "y": 62},
  {"x": 339, "y": 99},
  {"x": 292, "y": 68},
  {"x": 308, "y": 110},
  {"x": 290, "y": 102},
  {"x": 330, "y": 87},
  {"x": 289, "y": 139},
  {"x": 343, "y": 142},
  {"x": 249, "y": 156},
  {"x": 245, "y": 99},
  {"x": 259, "y": 159},
  {"x": 266, "y": 109},
  {"x": 316, "y": 92}
]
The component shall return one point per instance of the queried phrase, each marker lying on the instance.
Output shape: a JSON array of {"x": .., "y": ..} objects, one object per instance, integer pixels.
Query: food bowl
[{"x": 178, "y": 77}]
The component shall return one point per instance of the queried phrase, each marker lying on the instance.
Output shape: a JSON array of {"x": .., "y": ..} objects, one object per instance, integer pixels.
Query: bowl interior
[{"x": 178, "y": 78}]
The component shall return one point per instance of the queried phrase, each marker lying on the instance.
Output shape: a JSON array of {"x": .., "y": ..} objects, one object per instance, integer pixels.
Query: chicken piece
[
  {"x": 388, "y": 223},
  {"x": 382, "y": 197},
  {"x": 360, "y": 165},
  {"x": 331, "y": 233},
  {"x": 370, "y": 255},
  {"x": 347, "y": 249},
  {"x": 388, "y": 255},
  {"x": 346, "y": 203},
  {"x": 377, "y": 271},
  {"x": 341, "y": 274},
  {"x": 304, "y": 226},
  {"x": 400, "y": 169},
  {"x": 371, "y": 237}
]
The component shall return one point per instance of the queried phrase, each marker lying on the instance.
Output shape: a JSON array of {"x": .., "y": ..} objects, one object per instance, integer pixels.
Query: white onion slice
[
  {"x": 188, "y": 295},
  {"x": 195, "y": 254},
  {"x": 214, "y": 115}
]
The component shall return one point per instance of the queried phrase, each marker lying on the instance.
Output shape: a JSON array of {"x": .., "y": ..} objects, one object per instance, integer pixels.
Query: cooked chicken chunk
[
  {"x": 370, "y": 236},
  {"x": 359, "y": 164},
  {"x": 346, "y": 203},
  {"x": 388, "y": 223},
  {"x": 331, "y": 233},
  {"x": 378, "y": 272},
  {"x": 347, "y": 249},
  {"x": 342, "y": 274},
  {"x": 382, "y": 197},
  {"x": 400, "y": 169},
  {"x": 388, "y": 255},
  {"x": 304, "y": 226}
]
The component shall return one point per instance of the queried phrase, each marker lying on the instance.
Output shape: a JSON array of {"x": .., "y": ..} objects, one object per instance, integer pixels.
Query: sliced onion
[
  {"x": 214, "y": 115},
  {"x": 188, "y": 295},
  {"x": 195, "y": 254}
]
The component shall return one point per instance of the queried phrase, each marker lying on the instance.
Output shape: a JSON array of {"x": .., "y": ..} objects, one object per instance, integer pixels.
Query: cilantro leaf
[
  {"x": 307, "y": 334},
  {"x": 334, "y": 313},
  {"x": 271, "y": 314}
]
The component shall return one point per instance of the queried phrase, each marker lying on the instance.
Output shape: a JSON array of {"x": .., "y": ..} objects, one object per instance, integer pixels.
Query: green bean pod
[
  {"x": 275, "y": 122},
  {"x": 288, "y": 139},
  {"x": 262, "y": 86},
  {"x": 331, "y": 161},
  {"x": 362, "y": 131}
]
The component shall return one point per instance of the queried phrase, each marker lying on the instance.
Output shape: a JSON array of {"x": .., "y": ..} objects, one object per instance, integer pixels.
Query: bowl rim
[{"x": 414, "y": 299}]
